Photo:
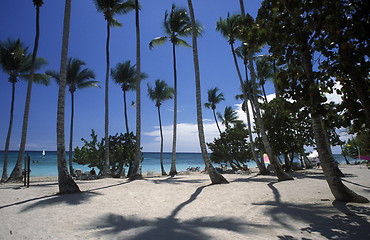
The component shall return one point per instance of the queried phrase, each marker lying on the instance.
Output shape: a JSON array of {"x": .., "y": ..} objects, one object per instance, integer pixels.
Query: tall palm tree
[
  {"x": 136, "y": 174},
  {"x": 215, "y": 177},
  {"x": 65, "y": 181},
  {"x": 160, "y": 93},
  {"x": 229, "y": 117},
  {"x": 213, "y": 99},
  {"x": 110, "y": 8},
  {"x": 77, "y": 78},
  {"x": 264, "y": 72},
  {"x": 15, "y": 61},
  {"x": 37, "y": 4},
  {"x": 176, "y": 24},
  {"x": 12, "y": 54},
  {"x": 124, "y": 74}
]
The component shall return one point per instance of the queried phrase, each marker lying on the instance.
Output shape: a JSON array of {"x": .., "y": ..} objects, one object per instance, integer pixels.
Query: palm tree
[
  {"x": 213, "y": 99},
  {"x": 65, "y": 181},
  {"x": 77, "y": 78},
  {"x": 37, "y": 4},
  {"x": 125, "y": 75},
  {"x": 110, "y": 8},
  {"x": 16, "y": 62},
  {"x": 176, "y": 24},
  {"x": 160, "y": 93},
  {"x": 136, "y": 174},
  {"x": 215, "y": 177},
  {"x": 229, "y": 117},
  {"x": 264, "y": 72}
]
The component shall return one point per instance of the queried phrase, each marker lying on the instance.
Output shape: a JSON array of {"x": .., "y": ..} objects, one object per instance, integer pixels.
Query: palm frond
[
  {"x": 53, "y": 74},
  {"x": 157, "y": 41},
  {"x": 182, "y": 43}
]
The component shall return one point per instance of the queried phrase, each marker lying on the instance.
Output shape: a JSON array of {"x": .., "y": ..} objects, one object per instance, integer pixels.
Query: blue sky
[{"x": 87, "y": 42}]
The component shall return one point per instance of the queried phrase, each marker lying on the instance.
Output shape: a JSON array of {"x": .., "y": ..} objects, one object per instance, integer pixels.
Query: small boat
[{"x": 43, "y": 152}]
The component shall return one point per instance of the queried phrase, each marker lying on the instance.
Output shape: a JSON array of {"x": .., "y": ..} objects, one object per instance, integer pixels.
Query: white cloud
[{"x": 187, "y": 137}]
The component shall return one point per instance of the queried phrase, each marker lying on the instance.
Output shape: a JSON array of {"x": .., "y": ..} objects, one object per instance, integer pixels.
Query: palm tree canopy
[
  {"x": 17, "y": 62},
  {"x": 229, "y": 27},
  {"x": 176, "y": 23},
  {"x": 213, "y": 98},
  {"x": 160, "y": 92},
  {"x": 125, "y": 75},
  {"x": 264, "y": 69},
  {"x": 112, "y": 7},
  {"x": 229, "y": 117},
  {"x": 77, "y": 78}
]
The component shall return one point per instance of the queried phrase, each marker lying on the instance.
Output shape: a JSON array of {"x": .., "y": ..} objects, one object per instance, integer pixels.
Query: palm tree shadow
[
  {"x": 169, "y": 227},
  {"x": 70, "y": 199},
  {"x": 323, "y": 219}
]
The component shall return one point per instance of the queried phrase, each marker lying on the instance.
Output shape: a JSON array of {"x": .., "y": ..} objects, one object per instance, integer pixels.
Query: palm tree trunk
[
  {"x": 106, "y": 168},
  {"x": 17, "y": 171},
  {"x": 214, "y": 115},
  {"x": 135, "y": 170},
  {"x": 281, "y": 175},
  {"x": 173, "y": 171},
  {"x": 215, "y": 177},
  {"x": 125, "y": 111},
  {"x": 7, "y": 143},
  {"x": 161, "y": 132},
  {"x": 71, "y": 171},
  {"x": 338, "y": 189},
  {"x": 65, "y": 181},
  {"x": 242, "y": 7}
]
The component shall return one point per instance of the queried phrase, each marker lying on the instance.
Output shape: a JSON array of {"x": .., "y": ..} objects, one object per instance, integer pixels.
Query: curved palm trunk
[
  {"x": 215, "y": 177},
  {"x": 242, "y": 7},
  {"x": 173, "y": 171},
  {"x": 161, "y": 153},
  {"x": 261, "y": 167},
  {"x": 71, "y": 170},
  {"x": 338, "y": 189},
  {"x": 106, "y": 170},
  {"x": 17, "y": 171},
  {"x": 7, "y": 143},
  {"x": 281, "y": 175},
  {"x": 125, "y": 111},
  {"x": 214, "y": 115},
  {"x": 65, "y": 181},
  {"x": 135, "y": 170}
]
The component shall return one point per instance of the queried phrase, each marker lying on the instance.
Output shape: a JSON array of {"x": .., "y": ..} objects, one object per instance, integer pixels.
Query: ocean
[{"x": 47, "y": 166}]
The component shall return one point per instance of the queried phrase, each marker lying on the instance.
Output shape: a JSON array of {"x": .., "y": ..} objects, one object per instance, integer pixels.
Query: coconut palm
[
  {"x": 215, "y": 177},
  {"x": 66, "y": 183},
  {"x": 264, "y": 72},
  {"x": 110, "y": 8},
  {"x": 136, "y": 174},
  {"x": 229, "y": 117},
  {"x": 124, "y": 74},
  {"x": 176, "y": 24},
  {"x": 160, "y": 93},
  {"x": 213, "y": 98},
  {"x": 15, "y": 61},
  {"x": 37, "y": 4},
  {"x": 77, "y": 78}
]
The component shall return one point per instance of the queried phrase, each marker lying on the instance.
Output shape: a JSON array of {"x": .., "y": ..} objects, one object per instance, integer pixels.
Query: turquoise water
[{"x": 47, "y": 166}]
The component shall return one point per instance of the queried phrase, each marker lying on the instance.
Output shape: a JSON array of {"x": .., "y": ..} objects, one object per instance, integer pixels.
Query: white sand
[{"x": 188, "y": 207}]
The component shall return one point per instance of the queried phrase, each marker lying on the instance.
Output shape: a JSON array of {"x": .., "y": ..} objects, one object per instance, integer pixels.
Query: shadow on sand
[{"x": 170, "y": 227}]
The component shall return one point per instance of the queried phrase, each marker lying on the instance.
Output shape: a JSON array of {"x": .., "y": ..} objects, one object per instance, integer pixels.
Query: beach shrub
[
  {"x": 231, "y": 147},
  {"x": 121, "y": 152}
]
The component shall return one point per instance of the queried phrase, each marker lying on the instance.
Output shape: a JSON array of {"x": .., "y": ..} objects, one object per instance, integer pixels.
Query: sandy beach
[{"x": 188, "y": 207}]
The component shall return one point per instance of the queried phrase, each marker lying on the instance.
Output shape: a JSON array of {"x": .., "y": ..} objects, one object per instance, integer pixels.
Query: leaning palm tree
[
  {"x": 213, "y": 98},
  {"x": 229, "y": 117},
  {"x": 65, "y": 181},
  {"x": 15, "y": 61},
  {"x": 176, "y": 24},
  {"x": 77, "y": 78},
  {"x": 37, "y": 4},
  {"x": 124, "y": 74},
  {"x": 215, "y": 177},
  {"x": 160, "y": 93},
  {"x": 110, "y": 8}
]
